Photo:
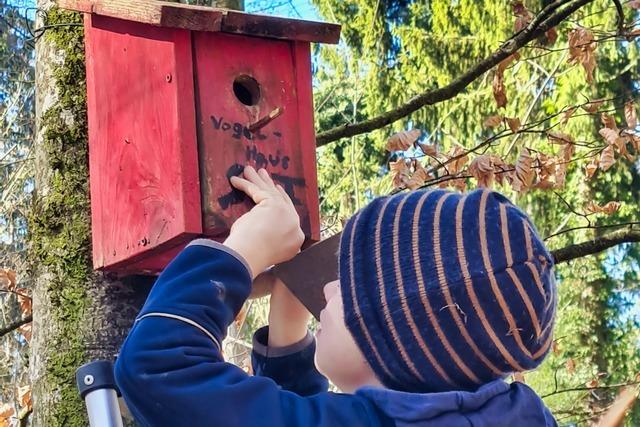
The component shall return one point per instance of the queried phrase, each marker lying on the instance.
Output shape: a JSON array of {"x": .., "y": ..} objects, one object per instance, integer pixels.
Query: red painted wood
[
  {"x": 303, "y": 79},
  {"x": 285, "y": 146},
  {"x": 145, "y": 195}
]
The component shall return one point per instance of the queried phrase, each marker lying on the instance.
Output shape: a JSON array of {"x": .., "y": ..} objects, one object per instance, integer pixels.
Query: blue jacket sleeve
[
  {"x": 171, "y": 372},
  {"x": 292, "y": 368}
]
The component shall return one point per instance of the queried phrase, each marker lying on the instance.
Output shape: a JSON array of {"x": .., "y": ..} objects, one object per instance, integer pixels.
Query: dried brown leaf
[
  {"x": 429, "y": 149},
  {"x": 419, "y": 177},
  {"x": 571, "y": 366},
  {"x": 493, "y": 121},
  {"x": 400, "y": 172},
  {"x": 481, "y": 168},
  {"x": 591, "y": 168},
  {"x": 514, "y": 124},
  {"x": 582, "y": 48},
  {"x": 499, "y": 93},
  {"x": 593, "y": 106},
  {"x": 566, "y": 153},
  {"x": 524, "y": 170},
  {"x": 544, "y": 184},
  {"x": 551, "y": 36},
  {"x": 589, "y": 64},
  {"x": 609, "y": 208},
  {"x": 609, "y": 121},
  {"x": 504, "y": 64},
  {"x": 555, "y": 348},
  {"x": 607, "y": 158},
  {"x": 630, "y": 115},
  {"x": 567, "y": 115},
  {"x": 459, "y": 184},
  {"x": 610, "y": 135},
  {"x": 635, "y": 141},
  {"x": 456, "y": 165},
  {"x": 401, "y": 141},
  {"x": 523, "y": 15},
  {"x": 546, "y": 165}
]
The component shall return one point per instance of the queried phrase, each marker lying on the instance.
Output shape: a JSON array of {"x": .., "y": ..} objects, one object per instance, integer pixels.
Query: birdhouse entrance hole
[{"x": 247, "y": 90}]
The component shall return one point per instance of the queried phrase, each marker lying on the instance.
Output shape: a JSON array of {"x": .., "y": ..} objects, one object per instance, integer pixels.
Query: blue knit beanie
[{"x": 446, "y": 291}]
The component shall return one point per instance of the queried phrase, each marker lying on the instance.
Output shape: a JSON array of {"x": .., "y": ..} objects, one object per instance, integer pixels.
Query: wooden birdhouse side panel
[
  {"x": 145, "y": 191},
  {"x": 304, "y": 79},
  {"x": 253, "y": 107}
]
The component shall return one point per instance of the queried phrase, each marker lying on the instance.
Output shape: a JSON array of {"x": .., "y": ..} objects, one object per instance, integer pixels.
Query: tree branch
[
  {"x": 595, "y": 246},
  {"x": 536, "y": 28},
  {"x": 620, "y": 20},
  {"x": 15, "y": 325},
  {"x": 587, "y": 388}
]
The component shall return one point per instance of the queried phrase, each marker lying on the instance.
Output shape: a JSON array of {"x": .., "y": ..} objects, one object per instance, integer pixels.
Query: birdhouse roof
[{"x": 202, "y": 18}]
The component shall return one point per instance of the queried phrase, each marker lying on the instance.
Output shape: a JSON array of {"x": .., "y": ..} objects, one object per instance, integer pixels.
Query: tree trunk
[{"x": 79, "y": 314}]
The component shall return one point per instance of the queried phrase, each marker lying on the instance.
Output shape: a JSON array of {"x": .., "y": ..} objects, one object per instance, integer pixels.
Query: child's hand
[{"x": 270, "y": 232}]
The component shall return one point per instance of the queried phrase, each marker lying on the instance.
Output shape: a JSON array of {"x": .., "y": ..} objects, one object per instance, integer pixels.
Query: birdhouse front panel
[
  {"x": 179, "y": 99},
  {"x": 145, "y": 193},
  {"x": 254, "y": 107}
]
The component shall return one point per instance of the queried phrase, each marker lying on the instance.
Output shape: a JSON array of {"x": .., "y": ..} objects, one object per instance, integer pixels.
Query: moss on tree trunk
[{"x": 79, "y": 315}]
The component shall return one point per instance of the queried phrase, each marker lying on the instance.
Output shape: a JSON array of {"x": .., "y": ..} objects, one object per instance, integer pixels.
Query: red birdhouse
[{"x": 180, "y": 98}]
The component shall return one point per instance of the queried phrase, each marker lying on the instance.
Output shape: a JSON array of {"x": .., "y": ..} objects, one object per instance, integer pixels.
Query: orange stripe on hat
[
  {"x": 356, "y": 306},
  {"x": 403, "y": 298},
  {"x": 383, "y": 297},
  {"x": 513, "y": 328},
  {"x": 462, "y": 259},
  {"x": 444, "y": 285},
  {"x": 514, "y": 277},
  {"x": 451, "y": 304}
]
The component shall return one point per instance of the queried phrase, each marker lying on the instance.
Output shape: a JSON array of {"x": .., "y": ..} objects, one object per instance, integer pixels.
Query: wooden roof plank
[{"x": 202, "y": 18}]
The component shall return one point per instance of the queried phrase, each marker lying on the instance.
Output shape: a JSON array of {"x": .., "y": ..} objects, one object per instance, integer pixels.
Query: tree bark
[{"x": 79, "y": 315}]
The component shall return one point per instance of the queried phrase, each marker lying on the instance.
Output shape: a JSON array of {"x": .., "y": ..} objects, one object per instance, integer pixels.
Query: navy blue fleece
[{"x": 171, "y": 371}]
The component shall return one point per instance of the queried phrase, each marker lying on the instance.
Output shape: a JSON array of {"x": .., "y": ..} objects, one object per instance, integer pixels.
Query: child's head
[{"x": 438, "y": 291}]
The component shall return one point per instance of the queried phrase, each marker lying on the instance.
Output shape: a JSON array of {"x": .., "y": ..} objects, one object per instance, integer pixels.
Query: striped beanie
[{"x": 446, "y": 291}]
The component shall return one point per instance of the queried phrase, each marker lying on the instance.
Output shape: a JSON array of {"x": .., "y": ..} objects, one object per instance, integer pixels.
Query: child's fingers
[
  {"x": 266, "y": 177},
  {"x": 245, "y": 186},
  {"x": 284, "y": 194},
  {"x": 251, "y": 175}
]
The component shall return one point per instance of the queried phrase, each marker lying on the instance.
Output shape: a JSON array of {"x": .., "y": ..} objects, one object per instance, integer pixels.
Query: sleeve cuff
[
  {"x": 261, "y": 347},
  {"x": 217, "y": 245}
]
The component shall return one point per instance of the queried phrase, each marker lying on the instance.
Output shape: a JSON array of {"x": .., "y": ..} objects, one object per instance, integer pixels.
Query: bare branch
[
  {"x": 620, "y": 21},
  {"x": 586, "y": 388},
  {"x": 595, "y": 246},
  {"x": 536, "y": 28},
  {"x": 593, "y": 227},
  {"x": 15, "y": 325}
]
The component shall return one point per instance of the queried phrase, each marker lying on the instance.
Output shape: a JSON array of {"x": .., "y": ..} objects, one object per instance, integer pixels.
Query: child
[{"x": 441, "y": 296}]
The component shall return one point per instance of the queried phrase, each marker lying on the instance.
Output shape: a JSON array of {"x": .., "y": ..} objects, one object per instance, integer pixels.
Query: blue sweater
[{"x": 171, "y": 372}]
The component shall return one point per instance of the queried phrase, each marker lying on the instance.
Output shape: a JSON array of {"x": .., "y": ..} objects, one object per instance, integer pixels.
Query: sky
[{"x": 302, "y": 9}]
